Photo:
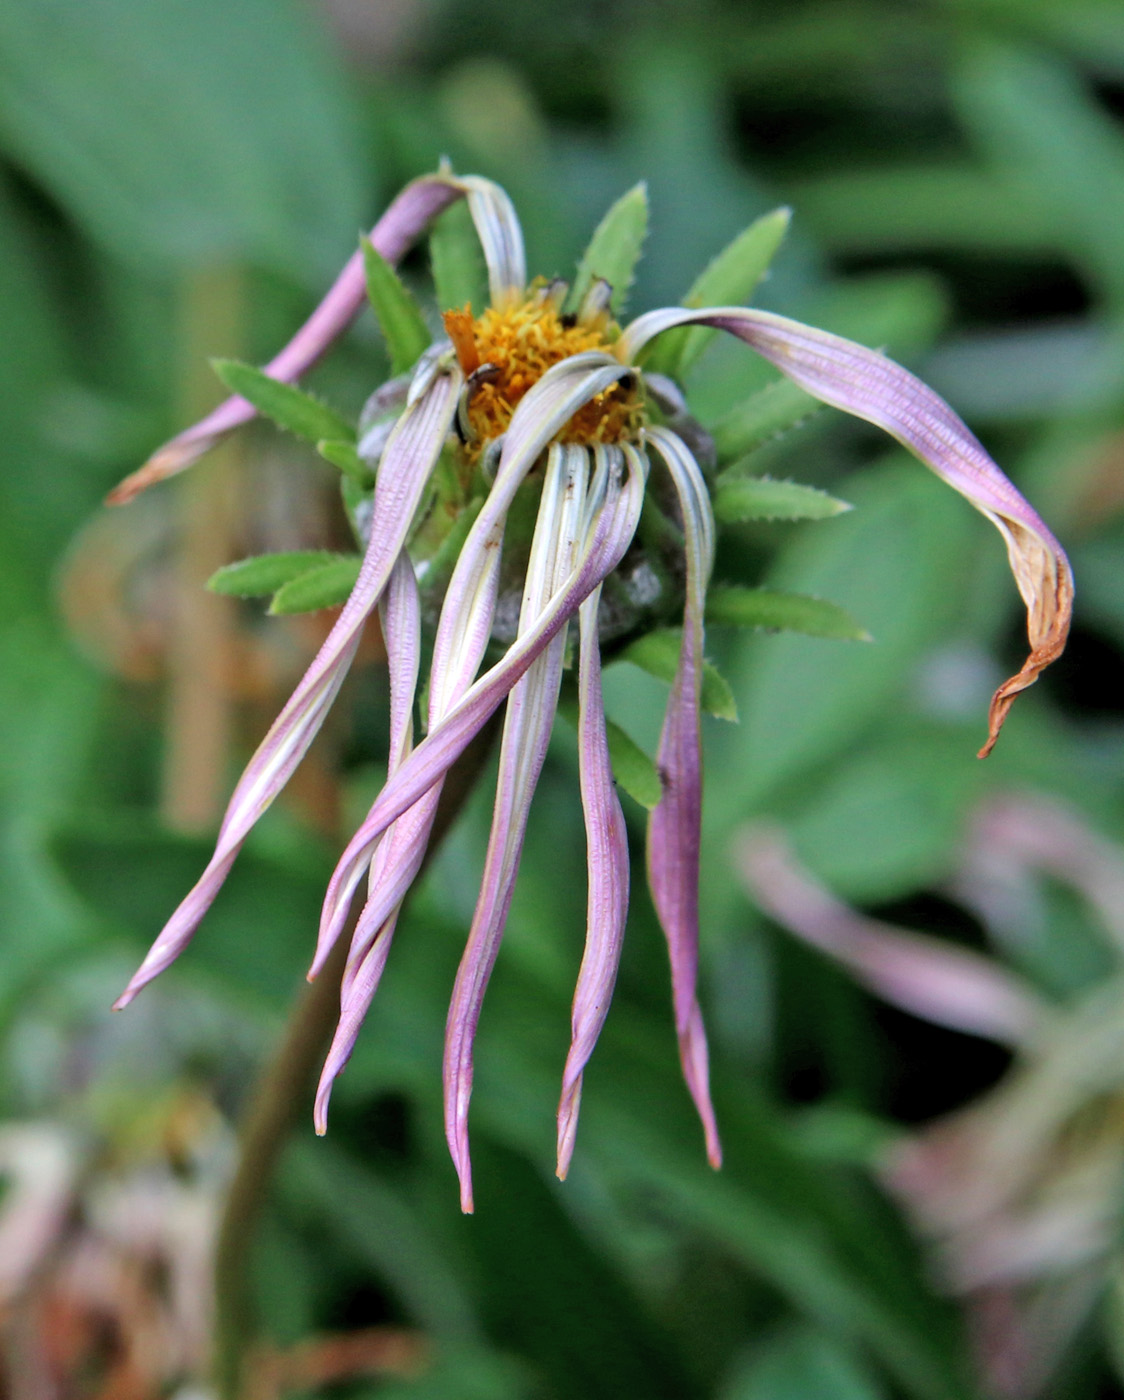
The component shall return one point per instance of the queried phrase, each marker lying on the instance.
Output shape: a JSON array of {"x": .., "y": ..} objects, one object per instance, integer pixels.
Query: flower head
[{"x": 544, "y": 392}]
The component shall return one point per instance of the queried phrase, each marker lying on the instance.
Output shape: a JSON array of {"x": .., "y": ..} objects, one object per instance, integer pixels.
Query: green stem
[{"x": 284, "y": 1087}]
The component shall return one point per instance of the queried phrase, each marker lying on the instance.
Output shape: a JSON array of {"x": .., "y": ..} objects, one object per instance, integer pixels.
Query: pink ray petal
[
  {"x": 527, "y": 724},
  {"x": 864, "y": 383},
  {"x": 409, "y": 215},
  {"x": 674, "y": 828},
  {"x": 407, "y": 463},
  {"x": 539, "y": 416},
  {"x": 608, "y": 875}
]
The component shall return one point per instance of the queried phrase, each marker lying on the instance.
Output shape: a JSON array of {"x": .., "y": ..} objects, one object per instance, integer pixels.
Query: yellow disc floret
[{"x": 510, "y": 350}]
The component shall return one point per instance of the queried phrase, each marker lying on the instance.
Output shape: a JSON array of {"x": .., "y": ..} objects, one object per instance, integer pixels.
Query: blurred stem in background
[{"x": 200, "y": 643}]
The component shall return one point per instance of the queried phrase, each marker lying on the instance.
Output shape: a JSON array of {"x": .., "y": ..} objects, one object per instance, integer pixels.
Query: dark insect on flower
[{"x": 529, "y": 387}]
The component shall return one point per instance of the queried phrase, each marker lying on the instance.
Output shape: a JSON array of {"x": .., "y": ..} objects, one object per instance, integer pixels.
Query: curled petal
[
  {"x": 947, "y": 985},
  {"x": 674, "y": 828},
  {"x": 608, "y": 539},
  {"x": 608, "y": 874},
  {"x": 410, "y": 214},
  {"x": 526, "y": 733},
  {"x": 497, "y": 226},
  {"x": 539, "y": 416},
  {"x": 864, "y": 383},
  {"x": 406, "y": 466}
]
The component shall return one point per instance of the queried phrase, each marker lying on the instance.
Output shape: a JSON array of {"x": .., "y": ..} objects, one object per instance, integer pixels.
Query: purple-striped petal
[
  {"x": 530, "y": 717},
  {"x": 406, "y": 466},
  {"x": 610, "y": 537},
  {"x": 947, "y": 985},
  {"x": 864, "y": 383},
  {"x": 409, "y": 215},
  {"x": 539, "y": 416},
  {"x": 608, "y": 875},
  {"x": 674, "y": 828}
]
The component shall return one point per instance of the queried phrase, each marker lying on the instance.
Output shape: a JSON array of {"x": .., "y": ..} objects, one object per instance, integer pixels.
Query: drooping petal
[
  {"x": 501, "y": 238},
  {"x": 864, "y": 383},
  {"x": 408, "y": 216},
  {"x": 674, "y": 828},
  {"x": 605, "y": 546},
  {"x": 926, "y": 976},
  {"x": 527, "y": 724},
  {"x": 608, "y": 875},
  {"x": 539, "y": 416},
  {"x": 407, "y": 463},
  {"x": 400, "y": 615}
]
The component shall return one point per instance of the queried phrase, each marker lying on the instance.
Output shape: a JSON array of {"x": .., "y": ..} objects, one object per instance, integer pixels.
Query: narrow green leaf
[
  {"x": 775, "y": 611},
  {"x": 458, "y": 263},
  {"x": 325, "y": 586},
  {"x": 632, "y": 767},
  {"x": 658, "y": 654},
  {"x": 290, "y": 408},
  {"x": 728, "y": 280},
  {"x": 614, "y": 249},
  {"x": 344, "y": 456},
  {"x": 265, "y": 573},
  {"x": 738, "y": 498},
  {"x": 399, "y": 315},
  {"x": 764, "y": 415}
]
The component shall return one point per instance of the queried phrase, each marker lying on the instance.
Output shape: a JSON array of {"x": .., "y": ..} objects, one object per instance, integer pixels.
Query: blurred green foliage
[{"x": 956, "y": 175}]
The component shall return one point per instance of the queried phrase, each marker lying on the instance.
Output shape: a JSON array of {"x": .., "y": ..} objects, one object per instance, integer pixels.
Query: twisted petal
[
  {"x": 526, "y": 733},
  {"x": 410, "y": 214},
  {"x": 604, "y": 547},
  {"x": 541, "y": 413},
  {"x": 868, "y": 385},
  {"x": 675, "y": 825},
  {"x": 608, "y": 874},
  {"x": 407, "y": 463},
  {"x": 930, "y": 978}
]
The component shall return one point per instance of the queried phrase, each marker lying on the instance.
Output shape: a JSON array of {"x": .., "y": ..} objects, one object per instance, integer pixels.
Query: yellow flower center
[{"x": 512, "y": 350}]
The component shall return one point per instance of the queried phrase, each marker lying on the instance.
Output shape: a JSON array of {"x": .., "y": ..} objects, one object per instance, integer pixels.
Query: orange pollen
[{"x": 516, "y": 347}]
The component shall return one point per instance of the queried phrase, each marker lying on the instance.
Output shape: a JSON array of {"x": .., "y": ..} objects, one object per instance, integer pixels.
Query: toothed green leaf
[
  {"x": 265, "y": 573},
  {"x": 343, "y": 456},
  {"x": 776, "y": 611},
  {"x": 658, "y": 654},
  {"x": 728, "y": 280},
  {"x": 289, "y": 408},
  {"x": 764, "y": 415},
  {"x": 614, "y": 249},
  {"x": 458, "y": 263},
  {"x": 739, "y": 498},
  {"x": 325, "y": 586},
  {"x": 399, "y": 315},
  {"x": 632, "y": 768}
]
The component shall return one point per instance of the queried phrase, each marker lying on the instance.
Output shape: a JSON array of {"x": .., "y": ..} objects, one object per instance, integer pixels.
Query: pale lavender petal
[
  {"x": 501, "y": 238},
  {"x": 926, "y": 976},
  {"x": 611, "y": 535},
  {"x": 864, "y": 383},
  {"x": 539, "y": 416},
  {"x": 608, "y": 875},
  {"x": 409, "y": 215},
  {"x": 674, "y": 828},
  {"x": 526, "y": 733},
  {"x": 406, "y": 466}
]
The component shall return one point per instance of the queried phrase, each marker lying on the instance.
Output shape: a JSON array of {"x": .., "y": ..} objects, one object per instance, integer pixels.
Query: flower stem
[{"x": 285, "y": 1086}]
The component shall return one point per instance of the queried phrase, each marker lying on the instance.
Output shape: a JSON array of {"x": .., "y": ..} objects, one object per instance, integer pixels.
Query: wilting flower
[{"x": 532, "y": 392}]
